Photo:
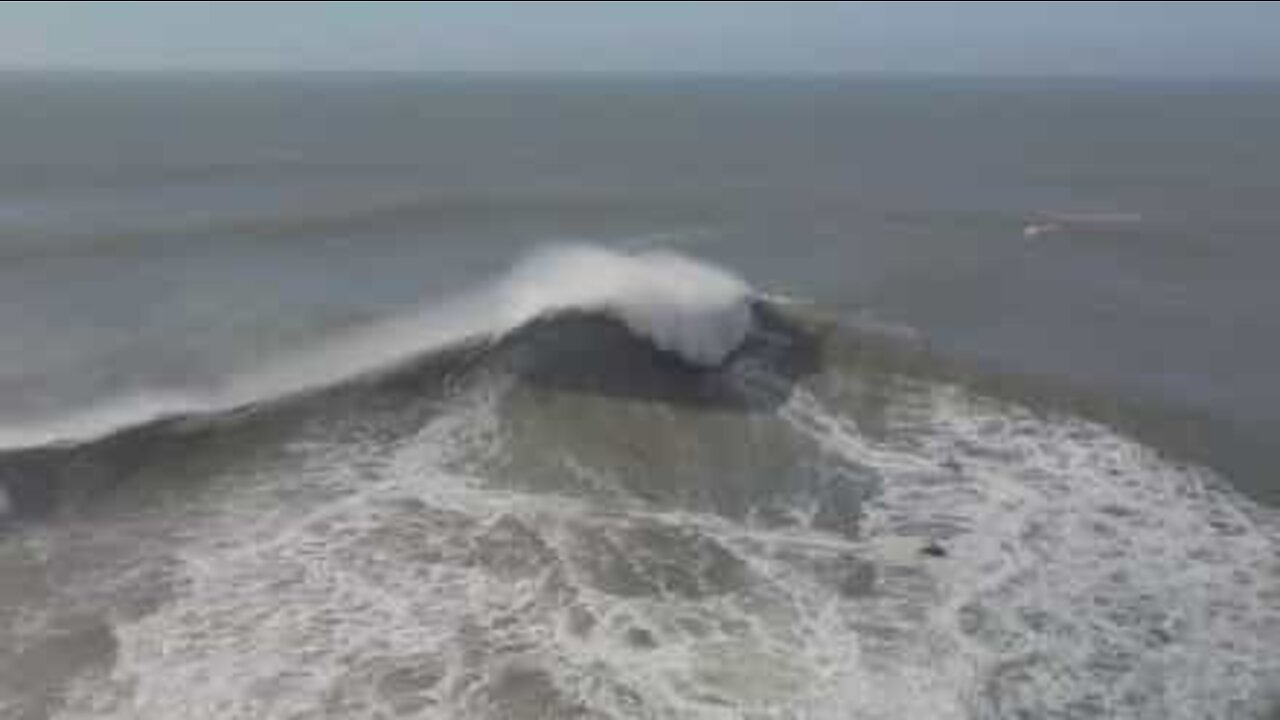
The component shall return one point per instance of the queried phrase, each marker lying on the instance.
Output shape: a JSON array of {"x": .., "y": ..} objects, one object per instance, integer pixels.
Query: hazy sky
[{"x": 1108, "y": 38}]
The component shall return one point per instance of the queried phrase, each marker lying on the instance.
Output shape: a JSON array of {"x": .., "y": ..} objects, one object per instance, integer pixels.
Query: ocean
[{"x": 607, "y": 396}]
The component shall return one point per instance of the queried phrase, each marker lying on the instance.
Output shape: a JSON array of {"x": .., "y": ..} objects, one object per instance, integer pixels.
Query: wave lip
[{"x": 692, "y": 309}]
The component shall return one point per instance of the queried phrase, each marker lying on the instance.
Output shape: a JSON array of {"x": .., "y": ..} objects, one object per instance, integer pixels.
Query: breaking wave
[
  {"x": 694, "y": 310},
  {"x": 549, "y": 504}
]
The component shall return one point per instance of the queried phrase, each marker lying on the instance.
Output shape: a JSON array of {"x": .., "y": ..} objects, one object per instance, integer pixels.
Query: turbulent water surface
[{"x": 392, "y": 396}]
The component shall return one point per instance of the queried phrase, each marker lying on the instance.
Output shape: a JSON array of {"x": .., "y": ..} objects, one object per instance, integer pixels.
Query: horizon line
[{"x": 651, "y": 73}]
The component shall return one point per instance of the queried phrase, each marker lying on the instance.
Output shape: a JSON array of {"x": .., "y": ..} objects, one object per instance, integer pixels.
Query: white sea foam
[
  {"x": 1084, "y": 572},
  {"x": 1085, "y": 576},
  {"x": 684, "y": 306}
]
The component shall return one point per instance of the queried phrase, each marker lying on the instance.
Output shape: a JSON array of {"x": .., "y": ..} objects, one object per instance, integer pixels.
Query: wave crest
[
  {"x": 692, "y": 309},
  {"x": 697, "y": 311}
]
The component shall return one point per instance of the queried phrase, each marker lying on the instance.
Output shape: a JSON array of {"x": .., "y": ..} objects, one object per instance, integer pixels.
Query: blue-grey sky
[{"x": 1076, "y": 38}]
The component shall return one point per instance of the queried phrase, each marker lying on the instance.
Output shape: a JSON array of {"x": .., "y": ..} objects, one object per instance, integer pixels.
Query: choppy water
[{"x": 962, "y": 412}]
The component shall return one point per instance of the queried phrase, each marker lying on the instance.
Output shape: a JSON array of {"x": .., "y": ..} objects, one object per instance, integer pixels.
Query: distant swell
[{"x": 694, "y": 310}]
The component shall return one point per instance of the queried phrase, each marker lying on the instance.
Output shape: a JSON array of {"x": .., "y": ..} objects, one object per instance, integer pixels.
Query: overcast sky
[{"x": 1090, "y": 38}]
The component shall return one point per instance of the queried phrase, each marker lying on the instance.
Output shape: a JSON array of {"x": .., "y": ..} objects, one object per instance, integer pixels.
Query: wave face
[{"x": 617, "y": 486}]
